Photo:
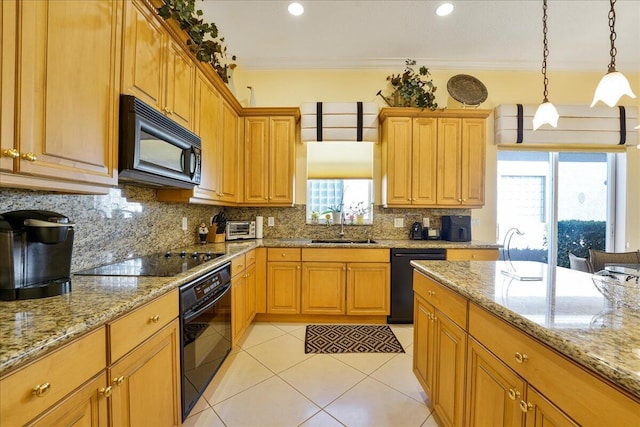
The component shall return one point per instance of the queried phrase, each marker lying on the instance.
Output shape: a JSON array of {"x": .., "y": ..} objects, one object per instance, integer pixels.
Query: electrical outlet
[
  {"x": 425, "y": 222},
  {"x": 271, "y": 221},
  {"x": 184, "y": 223},
  {"x": 398, "y": 222}
]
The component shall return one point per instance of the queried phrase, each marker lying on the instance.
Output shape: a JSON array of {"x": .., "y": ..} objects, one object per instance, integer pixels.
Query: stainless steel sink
[{"x": 344, "y": 241}]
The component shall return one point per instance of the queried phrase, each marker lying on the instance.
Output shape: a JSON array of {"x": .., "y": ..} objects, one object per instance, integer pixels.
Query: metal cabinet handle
[
  {"x": 118, "y": 380},
  {"x": 514, "y": 394},
  {"x": 525, "y": 406},
  {"x": 41, "y": 389},
  {"x": 11, "y": 152},
  {"x": 106, "y": 391},
  {"x": 521, "y": 357},
  {"x": 155, "y": 319},
  {"x": 31, "y": 157}
]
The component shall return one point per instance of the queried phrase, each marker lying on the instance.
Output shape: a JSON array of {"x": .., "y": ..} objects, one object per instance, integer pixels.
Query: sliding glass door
[{"x": 551, "y": 203}]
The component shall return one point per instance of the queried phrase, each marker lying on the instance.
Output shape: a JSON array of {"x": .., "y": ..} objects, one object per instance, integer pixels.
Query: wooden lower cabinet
[
  {"x": 87, "y": 406},
  {"x": 542, "y": 413},
  {"x": 458, "y": 254},
  {"x": 450, "y": 346},
  {"x": 323, "y": 288},
  {"x": 423, "y": 343},
  {"x": 283, "y": 287},
  {"x": 243, "y": 294},
  {"x": 493, "y": 390},
  {"x": 368, "y": 288},
  {"x": 146, "y": 382}
]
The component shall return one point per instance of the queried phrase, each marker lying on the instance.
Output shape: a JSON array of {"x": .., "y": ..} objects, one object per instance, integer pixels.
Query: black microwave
[{"x": 154, "y": 150}]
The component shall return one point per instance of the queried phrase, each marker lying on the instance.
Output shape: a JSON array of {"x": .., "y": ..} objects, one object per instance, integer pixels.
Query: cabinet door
[
  {"x": 281, "y": 159},
  {"x": 143, "y": 66},
  {"x": 67, "y": 90},
  {"x": 397, "y": 133},
  {"x": 180, "y": 86},
  {"x": 85, "y": 407},
  {"x": 208, "y": 103},
  {"x": 423, "y": 351},
  {"x": 472, "y": 162},
  {"x": 230, "y": 164},
  {"x": 283, "y": 287},
  {"x": 449, "y": 161},
  {"x": 424, "y": 149},
  {"x": 148, "y": 393},
  {"x": 256, "y": 160},
  {"x": 368, "y": 288},
  {"x": 250, "y": 295},
  {"x": 493, "y": 390},
  {"x": 238, "y": 303},
  {"x": 543, "y": 413},
  {"x": 449, "y": 370},
  {"x": 8, "y": 21},
  {"x": 323, "y": 287}
]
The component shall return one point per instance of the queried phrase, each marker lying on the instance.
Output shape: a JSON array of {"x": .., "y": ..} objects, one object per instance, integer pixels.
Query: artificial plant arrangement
[
  {"x": 411, "y": 88},
  {"x": 203, "y": 37}
]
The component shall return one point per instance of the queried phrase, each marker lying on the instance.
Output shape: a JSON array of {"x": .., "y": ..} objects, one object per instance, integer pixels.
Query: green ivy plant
[
  {"x": 411, "y": 88},
  {"x": 203, "y": 37}
]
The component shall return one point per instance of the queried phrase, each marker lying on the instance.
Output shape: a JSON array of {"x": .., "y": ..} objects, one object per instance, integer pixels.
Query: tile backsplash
[{"x": 129, "y": 221}]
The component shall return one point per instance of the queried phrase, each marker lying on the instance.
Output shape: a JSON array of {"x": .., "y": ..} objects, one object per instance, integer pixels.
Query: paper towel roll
[{"x": 259, "y": 224}]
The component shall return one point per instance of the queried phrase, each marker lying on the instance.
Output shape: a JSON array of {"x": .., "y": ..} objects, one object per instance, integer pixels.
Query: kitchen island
[{"x": 559, "y": 341}]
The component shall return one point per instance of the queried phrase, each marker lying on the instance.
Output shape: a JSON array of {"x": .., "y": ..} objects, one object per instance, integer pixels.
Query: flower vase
[
  {"x": 230, "y": 84},
  {"x": 359, "y": 219},
  {"x": 336, "y": 217}
]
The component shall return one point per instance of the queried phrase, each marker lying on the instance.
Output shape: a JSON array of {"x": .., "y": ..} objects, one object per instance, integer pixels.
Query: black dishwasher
[{"x": 402, "y": 280}]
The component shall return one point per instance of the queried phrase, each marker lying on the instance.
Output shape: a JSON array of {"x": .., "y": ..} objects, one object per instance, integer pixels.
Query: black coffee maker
[{"x": 35, "y": 254}]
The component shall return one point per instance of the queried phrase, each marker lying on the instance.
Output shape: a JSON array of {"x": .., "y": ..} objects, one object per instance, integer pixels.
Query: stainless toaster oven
[{"x": 241, "y": 230}]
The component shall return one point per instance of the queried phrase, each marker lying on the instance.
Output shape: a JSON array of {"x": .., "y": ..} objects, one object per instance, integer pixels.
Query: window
[
  {"x": 339, "y": 179},
  {"x": 560, "y": 201},
  {"x": 350, "y": 196}
]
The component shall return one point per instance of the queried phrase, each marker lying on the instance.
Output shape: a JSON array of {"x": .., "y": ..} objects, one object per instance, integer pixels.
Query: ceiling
[{"x": 497, "y": 35}]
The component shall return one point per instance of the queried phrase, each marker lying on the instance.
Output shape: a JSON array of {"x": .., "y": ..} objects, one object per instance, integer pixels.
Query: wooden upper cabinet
[
  {"x": 424, "y": 150},
  {"x": 461, "y": 162},
  {"x": 208, "y": 105},
  {"x": 156, "y": 69},
  {"x": 433, "y": 159},
  {"x": 398, "y": 136},
  {"x": 8, "y": 22},
  {"x": 269, "y": 159},
  {"x": 229, "y": 165},
  {"x": 66, "y": 94}
]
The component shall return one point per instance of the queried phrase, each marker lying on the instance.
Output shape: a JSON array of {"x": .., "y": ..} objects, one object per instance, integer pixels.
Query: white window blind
[
  {"x": 339, "y": 121},
  {"x": 340, "y": 160}
]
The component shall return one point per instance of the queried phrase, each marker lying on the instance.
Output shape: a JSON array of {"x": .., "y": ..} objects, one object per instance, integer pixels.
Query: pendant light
[
  {"x": 546, "y": 112},
  {"x": 614, "y": 84}
]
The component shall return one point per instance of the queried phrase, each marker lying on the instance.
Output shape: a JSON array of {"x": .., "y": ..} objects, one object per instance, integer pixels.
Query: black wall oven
[{"x": 205, "y": 328}]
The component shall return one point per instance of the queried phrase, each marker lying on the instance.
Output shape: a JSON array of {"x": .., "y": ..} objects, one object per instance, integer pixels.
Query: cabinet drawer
[
  {"x": 238, "y": 264},
  {"x": 64, "y": 370},
  {"x": 345, "y": 255},
  {"x": 133, "y": 328},
  {"x": 445, "y": 300},
  {"x": 582, "y": 395},
  {"x": 250, "y": 257},
  {"x": 283, "y": 254},
  {"x": 472, "y": 254}
]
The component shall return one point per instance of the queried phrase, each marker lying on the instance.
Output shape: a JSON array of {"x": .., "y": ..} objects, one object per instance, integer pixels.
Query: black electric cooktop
[{"x": 160, "y": 264}]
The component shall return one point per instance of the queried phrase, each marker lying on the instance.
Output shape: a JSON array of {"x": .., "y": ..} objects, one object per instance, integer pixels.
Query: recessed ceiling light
[
  {"x": 296, "y": 9},
  {"x": 444, "y": 9}
]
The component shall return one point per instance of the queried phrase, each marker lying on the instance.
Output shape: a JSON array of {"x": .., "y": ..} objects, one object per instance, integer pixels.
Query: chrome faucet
[{"x": 341, "y": 234}]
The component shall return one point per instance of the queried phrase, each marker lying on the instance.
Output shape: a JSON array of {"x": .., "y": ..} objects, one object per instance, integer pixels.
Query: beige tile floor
[{"x": 268, "y": 380}]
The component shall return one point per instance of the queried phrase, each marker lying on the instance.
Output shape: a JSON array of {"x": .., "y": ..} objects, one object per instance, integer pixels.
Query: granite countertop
[
  {"x": 32, "y": 328},
  {"x": 568, "y": 314}
]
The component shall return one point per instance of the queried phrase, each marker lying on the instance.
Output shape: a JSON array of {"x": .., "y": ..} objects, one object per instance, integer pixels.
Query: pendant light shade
[
  {"x": 614, "y": 84},
  {"x": 611, "y": 88},
  {"x": 546, "y": 112}
]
